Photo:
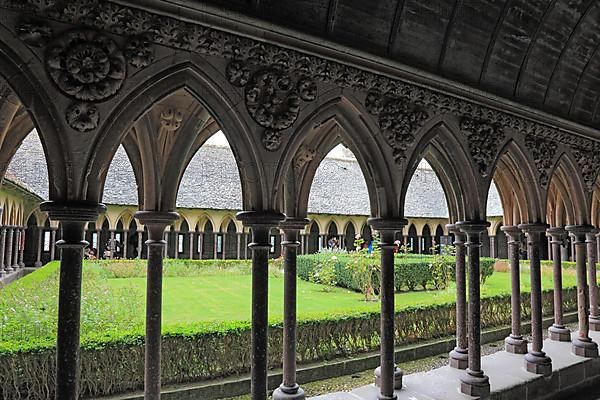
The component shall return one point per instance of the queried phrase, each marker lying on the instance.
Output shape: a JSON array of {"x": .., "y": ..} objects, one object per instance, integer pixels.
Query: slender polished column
[
  {"x": 592, "y": 279},
  {"x": 459, "y": 357},
  {"x": 536, "y": 360},
  {"x": 582, "y": 344},
  {"x": 388, "y": 376},
  {"x": 3, "y": 270},
  {"x": 514, "y": 343},
  {"x": 112, "y": 244},
  {"x": 72, "y": 217},
  {"x": 289, "y": 388},
  {"x": 9, "y": 249},
  {"x": 52, "y": 243},
  {"x": 474, "y": 382},
  {"x": 558, "y": 331},
  {"x": 140, "y": 244},
  {"x": 238, "y": 236},
  {"x": 215, "y": 246},
  {"x": 16, "y": 240},
  {"x": 200, "y": 245},
  {"x": 191, "y": 255},
  {"x": 40, "y": 240},
  {"x": 22, "y": 248},
  {"x": 176, "y": 246},
  {"x": 156, "y": 222},
  {"x": 261, "y": 224}
]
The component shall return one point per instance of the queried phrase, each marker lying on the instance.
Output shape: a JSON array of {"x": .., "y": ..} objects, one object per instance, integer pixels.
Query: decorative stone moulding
[
  {"x": 272, "y": 98},
  {"x": 543, "y": 152},
  {"x": 82, "y": 117},
  {"x": 484, "y": 138}
]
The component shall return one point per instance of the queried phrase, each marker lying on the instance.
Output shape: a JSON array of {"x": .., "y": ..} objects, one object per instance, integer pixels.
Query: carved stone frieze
[
  {"x": 82, "y": 117},
  {"x": 589, "y": 164},
  {"x": 483, "y": 138},
  {"x": 33, "y": 31},
  {"x": 249, "y": 55},
  {"x": 304, "y": 156},
  {"x": 86, "y": 65},
  {"x": 543, "y": 151},
  {"x": 399, "y": 120}
]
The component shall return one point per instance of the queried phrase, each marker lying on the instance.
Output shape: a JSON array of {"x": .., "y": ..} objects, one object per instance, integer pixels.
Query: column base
[
  {"x": 475, "y": 383},
  {"x": 37, "y": 264},
  {"x": 559, "y": 333},
  {"x": 538, "y": 363},
  {"x": 8, "y": 269},
  {"x": 398, "y": 374},
  {"x": 515, "y": 344},
  {"x": 594, "y": 323},
  {"x": 585, "y": 347},
  {"x": 289, "y": 393},
  {"x": 459, "y": 358},
  {"x": 21, "y": 265}
]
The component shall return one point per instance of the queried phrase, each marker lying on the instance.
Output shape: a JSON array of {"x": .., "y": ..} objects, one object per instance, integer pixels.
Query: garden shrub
[{"x": 113, "y": 362}]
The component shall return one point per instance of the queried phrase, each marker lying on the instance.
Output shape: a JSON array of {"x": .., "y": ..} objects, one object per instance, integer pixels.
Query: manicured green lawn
[{"x": 226, "y": 298}]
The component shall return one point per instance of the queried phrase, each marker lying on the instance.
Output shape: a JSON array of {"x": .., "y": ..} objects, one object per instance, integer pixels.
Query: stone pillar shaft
[
  {"x": 9, "y": 249},
  {"x": 592, "y": 279},
  {"x": 515, "y": 343},
  {"x": 140, "y": 244},
  {"x": 156, "y": 222},
  {"x": 192, "y": 235},
  {"x": 582, "y": 344},
  {"x": 558, "y": 331},
  {"x": 459, "y": 357},
  {"x": 52, "y": 244},
  {"x": 22, "y": 248},
  {"x": 2, "y": 249}
]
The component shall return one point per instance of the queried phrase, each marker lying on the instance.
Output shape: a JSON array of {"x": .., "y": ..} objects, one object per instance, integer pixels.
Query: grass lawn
[
  {"x": 225, "y": 298},
  {"x": 28, "y": 307}
]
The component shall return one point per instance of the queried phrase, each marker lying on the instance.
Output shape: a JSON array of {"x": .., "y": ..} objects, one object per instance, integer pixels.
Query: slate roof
[{"x": 211, "y": 181}]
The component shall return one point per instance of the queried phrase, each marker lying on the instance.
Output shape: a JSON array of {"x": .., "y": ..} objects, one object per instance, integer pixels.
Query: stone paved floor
[{"x": 508, "y": 378}]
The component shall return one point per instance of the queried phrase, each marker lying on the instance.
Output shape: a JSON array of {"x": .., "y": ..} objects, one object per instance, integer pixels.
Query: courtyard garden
[{"x": 206, "y": 315}]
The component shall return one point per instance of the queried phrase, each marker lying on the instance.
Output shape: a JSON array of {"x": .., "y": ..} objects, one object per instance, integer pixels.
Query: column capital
[
  {"x": 472, "y": 227},
  {"x": 513, "y": 232},
  {"x": 257, "y": 219},
  {"x": 459, "y": 236},
  {"x": 72, "y": 211},
  {"x": 557, "y": 233},
  {"x": 579, "y": 232},
  {"x": 387, "y": 223},
  {"x": 534, "y": 227},
  {"x": 591, "y": 235},
  {"x": 156, "y": 222},
  {"x": 293, "y": 224}
]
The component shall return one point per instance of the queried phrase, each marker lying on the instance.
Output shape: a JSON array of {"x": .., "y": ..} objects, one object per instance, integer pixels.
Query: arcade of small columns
[{"x": 282, "y": 111}]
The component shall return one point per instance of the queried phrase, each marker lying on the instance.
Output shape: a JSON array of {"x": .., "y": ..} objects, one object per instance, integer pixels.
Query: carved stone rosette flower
[
  {"x": 86, "y": 65},
  {"x": 272, "y": 97},
  {"x": 82, "y": 117},
  {"x": 399, "y": 120},
  {"x": 483, "y": 138},
  {"x": 543, "y": 152}
]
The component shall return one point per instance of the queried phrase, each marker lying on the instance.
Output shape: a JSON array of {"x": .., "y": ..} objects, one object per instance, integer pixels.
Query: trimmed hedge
[
  {"x": 114, "y": 363},
  {"x": 410, "y": 273}
]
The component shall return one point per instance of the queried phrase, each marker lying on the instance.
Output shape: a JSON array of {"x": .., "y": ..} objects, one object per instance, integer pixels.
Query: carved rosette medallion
[
  {"x": 272, "y": 98},
  {"x": 399, "y": 121},
  {"x": 542, "y": 152},
  {"x": 589, "y": 164},
  {"x": 82, "y": 117},
  {"x": 483, "y": 138},
  {"x": 86, "y": 65}
]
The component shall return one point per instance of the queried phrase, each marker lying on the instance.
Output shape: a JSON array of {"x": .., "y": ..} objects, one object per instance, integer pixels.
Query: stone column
[
  {"x": 140, "y": 235},
  {"x": 387, "y": 376},
  {"x": 419, "y": 248},
  {"x": 514, "y": 343},
  {"x": 303, "y": 241},
  {"x": 176, "y": 255},
  {"x": 215, "y": 246},
  {"x": 72, "y": 217},
  {"x": 459, "y": 357},
  {"x": 593, "y": 282},
  {"x": 582, "y": 344},
  {"x": 289, "y": 388},
  {"x": 9, "y": 249},
  {"x": 52, "y": 243},
  {"x": 474, "y": 382},
  {"x": 16, "y": 240},
  {"x": 192, "y": 234},
  {"x": 156, "y": 222},
  {"x": 125, "y": 239},
  {"x": 112, "y": 244},
  {"x": 239, "y": 245},
  {"x": 536, "y": 360},
  {"x": 261, "y": 224},
  {"x": 246, "y": 247},
  {"x": 2, "y": 247},
  {"x": 40, "y": 240},
  {"x": 223, "y": 246},
  {"x": 558, "y": 331},
  {"x": 493, "y": 252},
  {"x": 200, "y": 245},
  {"x": 22, "y": 248}
]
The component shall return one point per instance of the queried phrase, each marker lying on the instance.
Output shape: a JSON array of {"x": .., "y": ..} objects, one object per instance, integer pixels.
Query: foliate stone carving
[
  {"x": 33, "y": 31},
  {"x": 399, "y": 120},
  {"x": 305, "y": 155},
  {"x": 483, "y": 139},
  {"x": 272, "y": 97},
  {"x": 252, "y": 54},
  {"x": 82, "y": 117},
  {"x": 543, "y": 152},
  {"x": 86, "y": 65},
  {"x": 589, "y": 164},
  {"x": 170, "y": 120},
  {"x": 139, "y": 51}
]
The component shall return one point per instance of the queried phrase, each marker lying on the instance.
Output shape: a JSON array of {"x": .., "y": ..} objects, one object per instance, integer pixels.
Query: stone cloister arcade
[{"x": 160, "y": 79}]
